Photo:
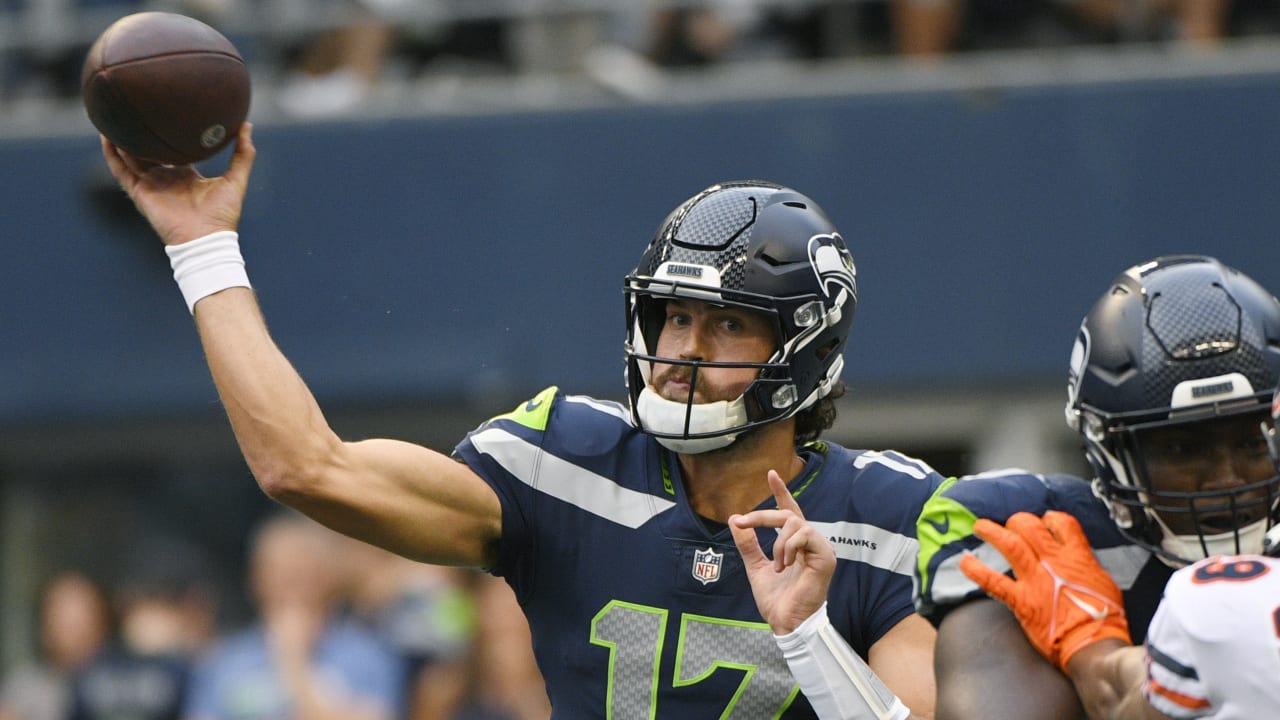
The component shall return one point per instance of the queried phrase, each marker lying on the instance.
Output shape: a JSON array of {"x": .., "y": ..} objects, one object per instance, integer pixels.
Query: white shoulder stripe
[
  {"x": 565, "y": 481},
  {"x": 872, "y": 545},
  {"x": 914, "y": 468},
  {"x": 609, "y": 408},
  {"x": 1002, "y": 472}
]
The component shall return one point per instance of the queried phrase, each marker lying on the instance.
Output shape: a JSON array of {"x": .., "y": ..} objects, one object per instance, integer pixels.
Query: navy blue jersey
[
  {"x": 946, "y": 532},
  {"x": 639, "y": 608}
]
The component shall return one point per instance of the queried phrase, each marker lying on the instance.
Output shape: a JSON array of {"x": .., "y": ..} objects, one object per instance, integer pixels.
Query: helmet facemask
[{"x": 1182, "y": 524}]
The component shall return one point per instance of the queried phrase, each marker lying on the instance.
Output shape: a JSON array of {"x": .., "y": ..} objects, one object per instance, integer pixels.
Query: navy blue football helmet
[
  {"x": 755, "y": 245},
  {"x": 1177, "y": 341}
]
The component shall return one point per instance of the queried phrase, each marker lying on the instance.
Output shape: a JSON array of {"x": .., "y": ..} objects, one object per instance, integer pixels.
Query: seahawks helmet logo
[
  {"x": 832, "y": 264},
  {"x": 1075, "y": 374}
]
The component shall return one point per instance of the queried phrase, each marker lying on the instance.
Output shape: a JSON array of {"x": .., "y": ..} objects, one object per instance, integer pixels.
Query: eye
[
  {"x": 1177, "y": 448},
  {"x": 1254, "y": 445}
]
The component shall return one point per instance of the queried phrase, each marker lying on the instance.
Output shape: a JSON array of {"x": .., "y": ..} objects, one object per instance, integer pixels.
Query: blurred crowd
[
  {"x": 340, "y": 630},
  {"x": 328, "y": 56}
]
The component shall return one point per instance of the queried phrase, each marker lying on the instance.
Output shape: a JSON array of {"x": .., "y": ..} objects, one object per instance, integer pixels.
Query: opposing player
[
  {"x": 1170, "y": 383},
  {"x": 608, "y": 521},
  {"x": 1212, "y": 650},
  {"x": 1172, "y": 377}
]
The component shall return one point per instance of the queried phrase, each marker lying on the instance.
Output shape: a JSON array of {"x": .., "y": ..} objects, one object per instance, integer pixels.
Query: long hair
[{"x": 818, "y": 417}]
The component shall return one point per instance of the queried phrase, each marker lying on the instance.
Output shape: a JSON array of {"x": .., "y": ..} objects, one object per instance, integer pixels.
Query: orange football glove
[{"x": 1063, "y": 598}]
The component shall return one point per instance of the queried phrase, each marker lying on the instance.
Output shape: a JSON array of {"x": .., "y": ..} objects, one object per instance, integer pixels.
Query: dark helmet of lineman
[
  {"x": 1176, "y": 341},
  {"x": 755, "y": 245}
]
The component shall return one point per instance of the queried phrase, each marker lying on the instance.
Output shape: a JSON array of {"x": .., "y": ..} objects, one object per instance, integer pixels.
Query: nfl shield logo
[{"x": 706, "y": 565}]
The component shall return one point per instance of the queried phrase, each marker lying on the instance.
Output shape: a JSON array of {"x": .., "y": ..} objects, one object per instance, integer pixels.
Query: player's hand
[
  {"x": 792, "y": 585},
  {"x": 1064, "y": 600},
  {"x": 178, "y": 201}
]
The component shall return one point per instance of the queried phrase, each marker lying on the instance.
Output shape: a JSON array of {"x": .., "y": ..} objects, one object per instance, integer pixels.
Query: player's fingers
[
  {"x": 1014, "y": 549},
  {"x": 1066, "y": 529},
  {"x": 781, "y": 495},
  {"x": 1032, "y": 529},
  {"x": 795, "y": 537},
  {"x": 998, "y": 585},
  {"x": 744, "y": 536},
  {"x": 136, "y": 166},
  {"x": 242, "y": 158},
  {"x": 115, "y": 163},
  {"x": 765, "y": 518}
]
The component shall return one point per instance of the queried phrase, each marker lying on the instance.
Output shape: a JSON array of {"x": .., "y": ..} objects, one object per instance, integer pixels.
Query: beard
[{"x": 679, "y": 373}]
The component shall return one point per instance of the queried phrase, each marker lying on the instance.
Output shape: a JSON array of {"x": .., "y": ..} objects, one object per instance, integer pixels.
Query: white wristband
[
  {"x": 207, "y": 265},
  {"x": 836, "y": 681}
]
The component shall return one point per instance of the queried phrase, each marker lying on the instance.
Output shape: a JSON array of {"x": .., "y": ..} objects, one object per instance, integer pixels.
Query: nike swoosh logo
[
  {"x": 532, "y": 405},
  {"x": 1093, "y": 611},
  {"x": 941, "y": 527}
]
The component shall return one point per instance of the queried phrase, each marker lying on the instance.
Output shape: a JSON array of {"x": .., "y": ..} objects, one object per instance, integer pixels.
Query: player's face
[
  {"x": 1219, "y": 457},
  {"x": 695, "y": 330}
]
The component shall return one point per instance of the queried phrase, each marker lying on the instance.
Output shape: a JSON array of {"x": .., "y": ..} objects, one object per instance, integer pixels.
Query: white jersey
[{"x": 1213, "y": 647}]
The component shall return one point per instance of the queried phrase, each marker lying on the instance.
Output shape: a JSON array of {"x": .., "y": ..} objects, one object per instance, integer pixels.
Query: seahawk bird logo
[
  {"x": 1075, "y": 375},
  {"x": 833, "y": 265}
]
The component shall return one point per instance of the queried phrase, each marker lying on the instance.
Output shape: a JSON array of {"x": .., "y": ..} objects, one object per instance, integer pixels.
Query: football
[{"x": 167, "y": 88}]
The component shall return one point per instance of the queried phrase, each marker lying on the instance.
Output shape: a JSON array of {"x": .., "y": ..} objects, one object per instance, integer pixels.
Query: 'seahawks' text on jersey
[
  {"x": 945, "y": 533},
  {"x": 638, "y": 608}
]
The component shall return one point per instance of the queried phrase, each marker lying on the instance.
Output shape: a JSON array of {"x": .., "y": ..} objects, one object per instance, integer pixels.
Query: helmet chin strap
[
  {"x": 1252, "y": 537},
  {"x": 665, "y": 417}
]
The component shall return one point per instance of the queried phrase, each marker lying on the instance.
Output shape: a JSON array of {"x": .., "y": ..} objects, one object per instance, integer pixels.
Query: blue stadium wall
[{"x": 448, "y": 258}]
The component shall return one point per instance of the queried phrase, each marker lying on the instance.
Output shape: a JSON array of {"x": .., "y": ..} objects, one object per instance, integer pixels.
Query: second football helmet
[
  {"x": 1177, "y": 341},
  {"x": 750, "y": 244}
]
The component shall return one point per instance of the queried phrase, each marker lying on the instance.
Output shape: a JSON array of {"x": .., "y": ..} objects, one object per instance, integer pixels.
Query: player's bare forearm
[
  {"x": 903, "y": 658},
  {"x": 986, "y": 668},
  {"x": 1108, "y": 677},
  {"x": 407, "y": 498}
]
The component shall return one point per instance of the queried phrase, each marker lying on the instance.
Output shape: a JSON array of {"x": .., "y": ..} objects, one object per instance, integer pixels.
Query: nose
[
  {"x": 693, "y": 342},
  {"x": 1228, "y": 468}
]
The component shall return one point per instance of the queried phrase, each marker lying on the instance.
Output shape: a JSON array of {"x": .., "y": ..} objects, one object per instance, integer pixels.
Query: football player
[
  {"x": 1171, "y": 379},
  {"x": 609, "y": 521},
  {"x": 1212, "y": 649}
]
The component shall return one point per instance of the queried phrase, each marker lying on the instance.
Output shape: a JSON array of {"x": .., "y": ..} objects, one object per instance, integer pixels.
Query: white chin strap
[
  {"x": 1252, "y": 541},
  {"x": 667, "y": 417}
]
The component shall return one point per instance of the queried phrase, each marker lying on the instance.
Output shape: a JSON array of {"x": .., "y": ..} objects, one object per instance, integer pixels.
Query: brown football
[{"x": 165, "y": 87}]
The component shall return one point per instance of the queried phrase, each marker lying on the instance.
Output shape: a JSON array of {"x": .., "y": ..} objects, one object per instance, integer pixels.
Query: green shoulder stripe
[
  {"x": 533, "y": 414},
  {"x": 942, "y": 522}
]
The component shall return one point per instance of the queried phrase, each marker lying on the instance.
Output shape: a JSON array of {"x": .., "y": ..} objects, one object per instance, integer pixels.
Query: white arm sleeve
[{"x": 837, "y": 682}]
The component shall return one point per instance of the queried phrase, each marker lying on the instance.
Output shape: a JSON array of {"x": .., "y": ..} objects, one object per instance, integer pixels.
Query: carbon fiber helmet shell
[
  {"x": 1177, "y": 340},
  {"x": 762, "y": 246}
]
